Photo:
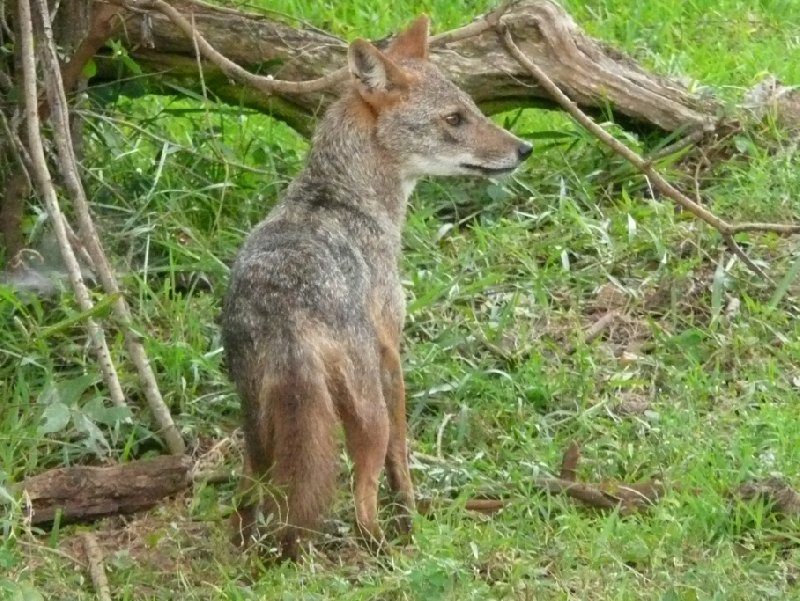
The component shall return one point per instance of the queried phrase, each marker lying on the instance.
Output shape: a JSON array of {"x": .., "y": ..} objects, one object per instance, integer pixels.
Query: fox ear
[
  {"x": 375, "y": 72},
  {"x": 413, "y": 42}
]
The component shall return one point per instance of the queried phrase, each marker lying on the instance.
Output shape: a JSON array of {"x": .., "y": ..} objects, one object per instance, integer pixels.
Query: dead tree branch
[
  {"x": 97, "y": 571},
  {"x": 102, "y": 22},
  {"x": 656, "y": 179},
  {"x": 45, "y": 186},
  {"x": 300, "y": 69},
  {"x": 607, "y": 496},
  {"x": 84, "y": 493},
  {"x": 69, "y": 171},
  {"x": 89, "y": 492},
  {"x": 267, "y": 85}
]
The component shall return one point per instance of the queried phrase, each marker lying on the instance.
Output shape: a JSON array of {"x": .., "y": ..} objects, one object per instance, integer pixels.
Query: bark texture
[
  {"x": 593, "y": 74},
  {"x": 83, "y": 493}
]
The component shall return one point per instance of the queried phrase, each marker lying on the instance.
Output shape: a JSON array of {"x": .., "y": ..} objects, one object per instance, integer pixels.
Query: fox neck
[{"x": 348, "y": 162}]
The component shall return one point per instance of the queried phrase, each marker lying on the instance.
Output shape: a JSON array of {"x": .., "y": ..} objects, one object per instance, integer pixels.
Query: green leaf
[
  {"x": 497, "y": 193},
  {"x": 744, "y": 145},
  {"x": 94, "y": 437},
  {"x": 97, "y": 411},
  {"x": 56, "y": 417},
  {"x": 70, "y": 391},
  {"x": 690, "y": 339},
  {"x": 185, "y": 92},
  {"x": 27, "y": 592},
  {"x": 5, "y": 496},
  {"x": 8, "y": 559},
  {"x": 89, "y": 69},
  {"x": 131, "y": 64},
  {"x": 122, "y": 54},
  {"x": 260, "y": 156}
]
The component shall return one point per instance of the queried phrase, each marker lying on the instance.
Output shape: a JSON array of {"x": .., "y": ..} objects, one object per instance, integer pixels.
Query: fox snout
[{"x": 494, "y": 151}]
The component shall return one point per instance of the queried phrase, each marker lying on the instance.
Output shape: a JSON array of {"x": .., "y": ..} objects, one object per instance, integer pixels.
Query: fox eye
[{"x": 454, "y": 119}]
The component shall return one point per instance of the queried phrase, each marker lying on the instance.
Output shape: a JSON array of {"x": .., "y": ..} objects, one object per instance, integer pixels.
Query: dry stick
[
  {"x": 69, "y": 172},
  {"x": 45, "y": 185},
  {"x": 734, "y": 247},
  {"x": 79, "y": 248},
  {"x": 688, "y": 140},
  {"x": 569, "y": 463},
  {"x": 13, "y": 207},
  {"x": 662, "y": 185},
  {"x": 485, "y": 506},
  {"x": 594, "y": 330},
  {"x": 268, "y": 85},
  {"x": 94, "y": 557},
  {"x": 485, "y": 22},
  {"x": 585, "y": 493}
]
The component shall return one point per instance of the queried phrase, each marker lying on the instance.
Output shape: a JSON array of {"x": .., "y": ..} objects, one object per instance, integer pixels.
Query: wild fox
[{"x": 313, "y": 316}]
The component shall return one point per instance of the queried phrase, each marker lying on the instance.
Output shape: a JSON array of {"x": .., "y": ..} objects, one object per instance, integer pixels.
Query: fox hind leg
[
  {"x": 397, "y": 471},
  {"x": 367, "y": 437},
  {"x": 257, "y": 463}
]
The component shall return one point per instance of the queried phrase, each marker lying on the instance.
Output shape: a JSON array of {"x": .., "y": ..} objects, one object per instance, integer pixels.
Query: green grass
[{"x": 695, "y": 384}]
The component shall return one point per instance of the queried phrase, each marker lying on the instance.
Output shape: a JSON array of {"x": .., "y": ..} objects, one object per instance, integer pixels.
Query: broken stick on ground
[{"x": 97, "y": 571}]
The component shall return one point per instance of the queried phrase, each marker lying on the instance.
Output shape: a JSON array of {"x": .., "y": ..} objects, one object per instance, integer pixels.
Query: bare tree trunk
[{"x": 592, "y": 73}]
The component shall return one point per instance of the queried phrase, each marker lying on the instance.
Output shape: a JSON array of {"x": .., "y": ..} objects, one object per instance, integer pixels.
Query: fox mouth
[{"x": 487, "y": 170}]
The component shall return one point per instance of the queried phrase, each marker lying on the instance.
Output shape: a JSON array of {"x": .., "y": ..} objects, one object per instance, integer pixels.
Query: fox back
[{"x": 313, "y": 316}]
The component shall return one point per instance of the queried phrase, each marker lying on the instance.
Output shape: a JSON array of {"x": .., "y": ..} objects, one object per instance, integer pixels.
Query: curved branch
[
  {"x": 294, "y": 73},
  {"x": 646, "y": 167},
  {"x": 63, "y": 141},
  {"x": 45, "y": 185}
]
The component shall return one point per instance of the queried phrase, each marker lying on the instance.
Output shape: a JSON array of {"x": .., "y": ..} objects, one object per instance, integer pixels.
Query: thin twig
[
  {"x": 94, "y": 556},
  {"x": 17, "y": 189},
  {"x": 4, "y": 27},
  {"x": 267, "y": 85},
  {"x": 585, "y": 493},
  {"x": 37, "y": 546},
  {"x": 69, "y": 172},
  {"x": 594, "y": 330},
  {"x": 657, "y": 180},
  {"x": 677, "y": 146},
  {"x": 17, "y": 150},
  {"x": 734, "y": 247},
  {"x": 477, "y": 27},
  {"x": 78, "y": 247},
  {"x": 784, "y": 229},
  {"x": 440, "y": 433},
  {"x": 45, "y": 185}
]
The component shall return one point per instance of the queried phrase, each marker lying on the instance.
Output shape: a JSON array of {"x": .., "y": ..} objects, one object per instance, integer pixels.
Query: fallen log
[
  {"x": 592, "y": 73},
  {"x": 83, "y": 493}
]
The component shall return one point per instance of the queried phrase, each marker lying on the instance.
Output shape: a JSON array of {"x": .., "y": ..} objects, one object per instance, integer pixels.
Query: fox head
[{"x": 421, "y": 118}]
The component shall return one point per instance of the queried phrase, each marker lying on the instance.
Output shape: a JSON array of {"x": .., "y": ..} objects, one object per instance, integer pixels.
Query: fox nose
[{"x": 524, "y": 151}]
